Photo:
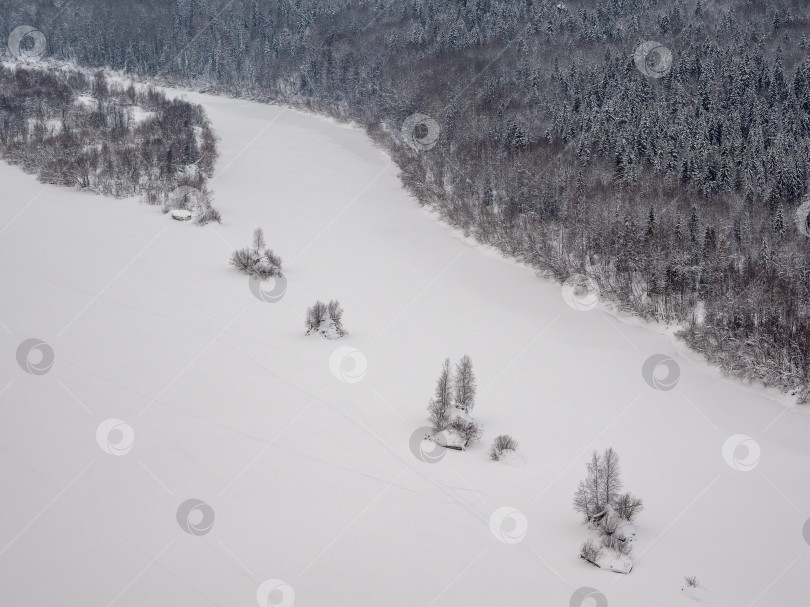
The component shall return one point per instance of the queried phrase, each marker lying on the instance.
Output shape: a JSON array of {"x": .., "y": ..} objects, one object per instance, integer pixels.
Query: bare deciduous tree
[
  {"x": 442, "y": 401},
  {"x": 465, "y": 384}
]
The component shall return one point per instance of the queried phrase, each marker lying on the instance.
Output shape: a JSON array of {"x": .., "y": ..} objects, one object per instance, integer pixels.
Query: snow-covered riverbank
[{"x": 311, "y": 480}]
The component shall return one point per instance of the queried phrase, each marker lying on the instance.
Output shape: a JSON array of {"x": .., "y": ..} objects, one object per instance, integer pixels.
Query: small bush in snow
[
  {"x": 257, "y": 260},
  {"x": 501, "y": 444},
  {"x": 628, "y": 506},
  {"x": 609, "y": 524},
  {"x": 242, "y": 260},
  {"x": 619, "y": 546},
  {"x": 208, "y": 215},
  {"x": 469, "y": 430},
  {"x": 589, "y": 551},
  {"x": 691, "y": 581},
  {"x": 325, "y": 319}
]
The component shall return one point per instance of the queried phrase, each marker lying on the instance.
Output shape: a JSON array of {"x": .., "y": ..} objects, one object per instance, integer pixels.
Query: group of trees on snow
[
  {"x": 257, "y": 260},
  {"x": 608, "y": 512},
  {"x": 260, "y": 262},
  {"x": 450, "y": 412},
  {"x": 450, "y": 409},
  {"x": 326, "y": 319},
  {"x": 674, "y": 194},
  {"x": 70, "y": 129}
]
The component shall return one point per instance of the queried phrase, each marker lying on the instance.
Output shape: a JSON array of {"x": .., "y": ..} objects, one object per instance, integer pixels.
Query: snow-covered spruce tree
[
  {"x": 257, "y": 260},
  {"x": 465, "y": 384},
  {"x": 442, "y": 401},
  {"x": 325, "y": 319}
]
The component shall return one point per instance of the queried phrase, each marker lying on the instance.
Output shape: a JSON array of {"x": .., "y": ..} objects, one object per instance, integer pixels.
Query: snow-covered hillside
[{"x": 310, "y": 480}]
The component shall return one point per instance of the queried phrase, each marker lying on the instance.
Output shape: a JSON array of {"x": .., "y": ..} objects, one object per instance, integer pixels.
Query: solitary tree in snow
[
  {"x": 442, "y": 401},
  {"x": 258, "y": 241},
  {"x": 611, "y": 477},
  {"x": 600, "y": 488},
  {"x": 465, "y": 384}
]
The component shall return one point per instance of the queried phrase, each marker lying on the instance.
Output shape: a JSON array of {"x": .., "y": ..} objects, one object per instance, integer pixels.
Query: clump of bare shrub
[
  {"x": 501, "y": 445},
  {"x": 257, "y": 260},
  {"x": 589, "y": 551},
  {"x": 326, "y": 319}
]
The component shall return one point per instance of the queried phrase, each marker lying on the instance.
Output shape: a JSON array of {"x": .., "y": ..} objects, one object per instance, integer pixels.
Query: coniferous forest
[{"x": 679, "y": 196}]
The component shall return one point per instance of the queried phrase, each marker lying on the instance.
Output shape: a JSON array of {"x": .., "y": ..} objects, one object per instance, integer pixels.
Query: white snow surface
[{"x": 311, "y": 479}]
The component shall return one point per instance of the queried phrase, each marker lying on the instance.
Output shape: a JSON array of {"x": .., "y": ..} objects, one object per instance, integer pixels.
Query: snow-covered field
[{"x": 311, "y": 480}]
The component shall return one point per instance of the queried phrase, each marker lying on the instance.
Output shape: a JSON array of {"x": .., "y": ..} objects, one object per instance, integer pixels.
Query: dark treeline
[
  {"x": 72, "y": 130},
  {"x": 676, "y": 195}
]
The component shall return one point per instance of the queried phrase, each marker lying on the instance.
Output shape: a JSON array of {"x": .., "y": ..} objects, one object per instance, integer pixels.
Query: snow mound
[
  {"x": 330, "y": 330},
  {"x": 696, "y": 593},
  {"x": 512, "y": 458},
  {"x": 450, "y": 439},
  {"x": 613, "y": 561},
  {"x": 180, "y": 214}
]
